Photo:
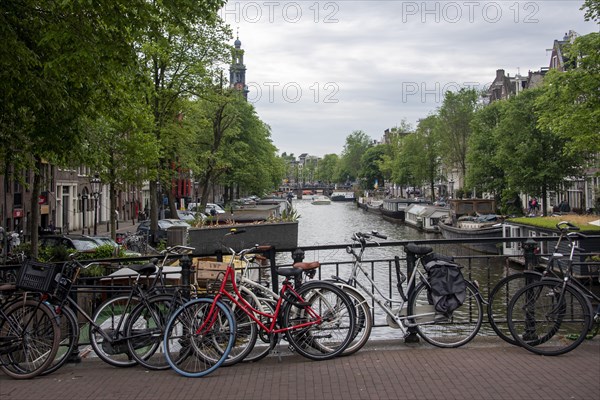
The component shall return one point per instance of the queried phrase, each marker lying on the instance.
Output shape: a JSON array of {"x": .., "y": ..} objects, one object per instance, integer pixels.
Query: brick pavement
[{"x": 484, "y": 369}]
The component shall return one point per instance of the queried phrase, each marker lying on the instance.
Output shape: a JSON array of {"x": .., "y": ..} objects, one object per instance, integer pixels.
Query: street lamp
[{"x": 95, "y": 183}]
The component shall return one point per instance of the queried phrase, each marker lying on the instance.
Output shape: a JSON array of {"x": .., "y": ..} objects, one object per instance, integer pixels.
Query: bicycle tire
[
  {"x": 548, "y": 318},
  {"x": 502, "y": 292},
  {"x": 265, "y": 342},
  {"x": 195, "y": 355},
  {"x": 108, "y": 317},
  {"x": 330, "y": 337},
  {"x": 364, "y": 319},
  {"x": 69, "y": 339},
  {"x": 145, "y": 330},
  {"x": 246, "y": 332},
  {"x": 455, "y": 331},
  {"x": 30, "y": 336}
]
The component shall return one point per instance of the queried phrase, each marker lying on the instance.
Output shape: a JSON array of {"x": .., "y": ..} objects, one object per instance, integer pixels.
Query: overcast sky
[{"x": 319, "y": 70}]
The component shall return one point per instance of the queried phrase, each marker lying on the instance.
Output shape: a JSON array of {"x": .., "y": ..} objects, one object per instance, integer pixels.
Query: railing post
[
  {"x": 186, "y": 267},
  {"x": 529, "y": 247},
  {"x": 274, "y": 276},
  {"x": 411, "y": 261}
]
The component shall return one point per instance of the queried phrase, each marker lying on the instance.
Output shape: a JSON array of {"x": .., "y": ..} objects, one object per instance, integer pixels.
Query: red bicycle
[{"x": 317, "y": 319}]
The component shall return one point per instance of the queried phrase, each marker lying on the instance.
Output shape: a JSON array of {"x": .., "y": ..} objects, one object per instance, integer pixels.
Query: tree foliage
[{"x": 570, "y": 102}]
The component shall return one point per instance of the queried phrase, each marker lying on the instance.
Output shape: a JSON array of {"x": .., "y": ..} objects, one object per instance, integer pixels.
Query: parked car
[
  {"x": 76, "y": 242},
  {"x": 210, "y": 206},
  {"x": 105, "y": 240},
  {"x": 188, "y": 215},
  {"x": 163, "y": 224}
]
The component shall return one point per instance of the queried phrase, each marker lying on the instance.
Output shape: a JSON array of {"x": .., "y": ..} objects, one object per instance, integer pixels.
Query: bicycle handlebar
[
  {"x": 368, "y": 236},
  {"x": 565, "y": 225}
]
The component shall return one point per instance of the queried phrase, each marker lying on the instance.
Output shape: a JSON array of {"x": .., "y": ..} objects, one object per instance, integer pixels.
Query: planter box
[{"x": 282, "y": 235}]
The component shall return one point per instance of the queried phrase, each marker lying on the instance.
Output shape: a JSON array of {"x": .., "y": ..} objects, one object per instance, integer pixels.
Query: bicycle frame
[
  {"x": 237, "y": 299},
  {"x": 403, "y": 322}
]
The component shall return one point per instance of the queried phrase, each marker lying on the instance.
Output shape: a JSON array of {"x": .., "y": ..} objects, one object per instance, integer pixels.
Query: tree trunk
[{"x": 34, "y": 220}]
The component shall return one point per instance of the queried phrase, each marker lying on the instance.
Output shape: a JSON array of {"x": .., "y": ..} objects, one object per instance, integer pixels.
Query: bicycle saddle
[
  {"x": 418, "y": 250},
  {"x": 145, "y": 269}
]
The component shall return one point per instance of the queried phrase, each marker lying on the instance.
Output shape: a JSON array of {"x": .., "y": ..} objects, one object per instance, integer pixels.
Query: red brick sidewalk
[{"x": 382, "y": 370}]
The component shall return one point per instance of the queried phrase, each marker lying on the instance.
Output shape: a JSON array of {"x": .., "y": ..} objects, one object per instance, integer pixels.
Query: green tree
[
  {"x": 370, "y": 172},
  {"x": 356, "y": 145},
  {"x": 454, "y": 127},
  {"x": 328, "y": 167},
  {"x": 533, "y": 160},
  {"x": 427, "y": 161},
  {"x": 180, "y": 54},
  {"x": 484, "y": 171},
  {"x": 570, "y": 102}
]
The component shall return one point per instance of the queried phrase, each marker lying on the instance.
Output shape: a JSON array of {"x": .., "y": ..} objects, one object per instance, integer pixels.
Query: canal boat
[
  {"x": 320, "y": 200},
  {"x": 373, "y": 206},
  {"x": 342, "y": 196},
  {"x": 478, "y": 227},
  {"x": 425, "y": 217},
  {"x": 394, "y": 210}
]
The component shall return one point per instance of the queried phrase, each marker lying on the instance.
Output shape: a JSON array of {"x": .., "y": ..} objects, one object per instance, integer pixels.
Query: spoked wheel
[
  {"x": 146, "y": 328},
  {"x": 329, "y": 316},
  {"x": 547, "y": 320},
  {"x": 364, "y": 320},
  {"x": 199, "y": 337},
  {"x": 29, "y": 338},
  {"x": 453, "y": 331},
  {"x": 500, "y": 296},
  {"x": 69, "y": 339},
  {"x": 109, "y": 340}
]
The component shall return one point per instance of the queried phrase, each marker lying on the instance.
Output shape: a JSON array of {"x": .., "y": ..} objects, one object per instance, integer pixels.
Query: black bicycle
[{"x": 553, "y": 316}]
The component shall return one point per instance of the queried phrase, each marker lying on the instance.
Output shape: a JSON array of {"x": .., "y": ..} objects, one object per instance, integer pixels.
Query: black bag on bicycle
[{"x": 448, "y": 287}]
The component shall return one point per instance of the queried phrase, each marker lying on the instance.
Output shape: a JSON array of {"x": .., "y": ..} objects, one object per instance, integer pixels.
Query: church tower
[{"x": 237, "y": 70}]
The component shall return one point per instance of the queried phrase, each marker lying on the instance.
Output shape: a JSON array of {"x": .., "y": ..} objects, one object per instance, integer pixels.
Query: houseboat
[
  {"x": 479, "y": 227},
  {"x": 473, "y": 219},
  {"x": 425, "y": 217},
  {"x": 394, "y": 210},
  {"x": 342, "y": 196}
]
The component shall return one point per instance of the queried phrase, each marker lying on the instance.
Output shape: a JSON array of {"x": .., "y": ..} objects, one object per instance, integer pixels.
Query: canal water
[{"x": 333, "y": 224}]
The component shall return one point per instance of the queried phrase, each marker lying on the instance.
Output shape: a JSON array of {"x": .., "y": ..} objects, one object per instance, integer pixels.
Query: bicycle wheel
[
  {"x": 29, "y": 337},
  {"x": 69, "y": 338},
  {"x": 145, "y": 330},
  {"x": 107, "y": 335},
  {"x": 364, "y": 319},
  {"x": 322, "y": 322},
  {"x": 499, "y": 298},
  {"x": 246, "y": 331},
  {"x": 265, "y": 342},
  {"x": 458, "y": 329},
  {"x": 199, "y": 337},
  {"x": 548, "y": 318}
]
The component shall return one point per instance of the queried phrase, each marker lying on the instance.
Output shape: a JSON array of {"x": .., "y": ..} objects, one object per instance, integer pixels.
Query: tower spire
[{"x": 237, "y": 69}]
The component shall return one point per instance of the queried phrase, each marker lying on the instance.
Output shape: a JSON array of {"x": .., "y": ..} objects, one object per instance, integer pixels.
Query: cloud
[{"x": 317, "y": 71}]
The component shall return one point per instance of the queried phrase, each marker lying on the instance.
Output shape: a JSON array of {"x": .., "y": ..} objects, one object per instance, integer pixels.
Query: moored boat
[
  {"x": 342, "y": 196},
  {"x": 480, "y": 227},
  {"x": 425, "y": 217},
  {"x": 320, "y": 200},
  {"x": 394, "y": 210},
  {"x": 374, "y": 206}
]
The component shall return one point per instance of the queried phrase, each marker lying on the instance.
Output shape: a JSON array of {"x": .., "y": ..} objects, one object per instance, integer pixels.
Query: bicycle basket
[{"x": 38, "y": 277}]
